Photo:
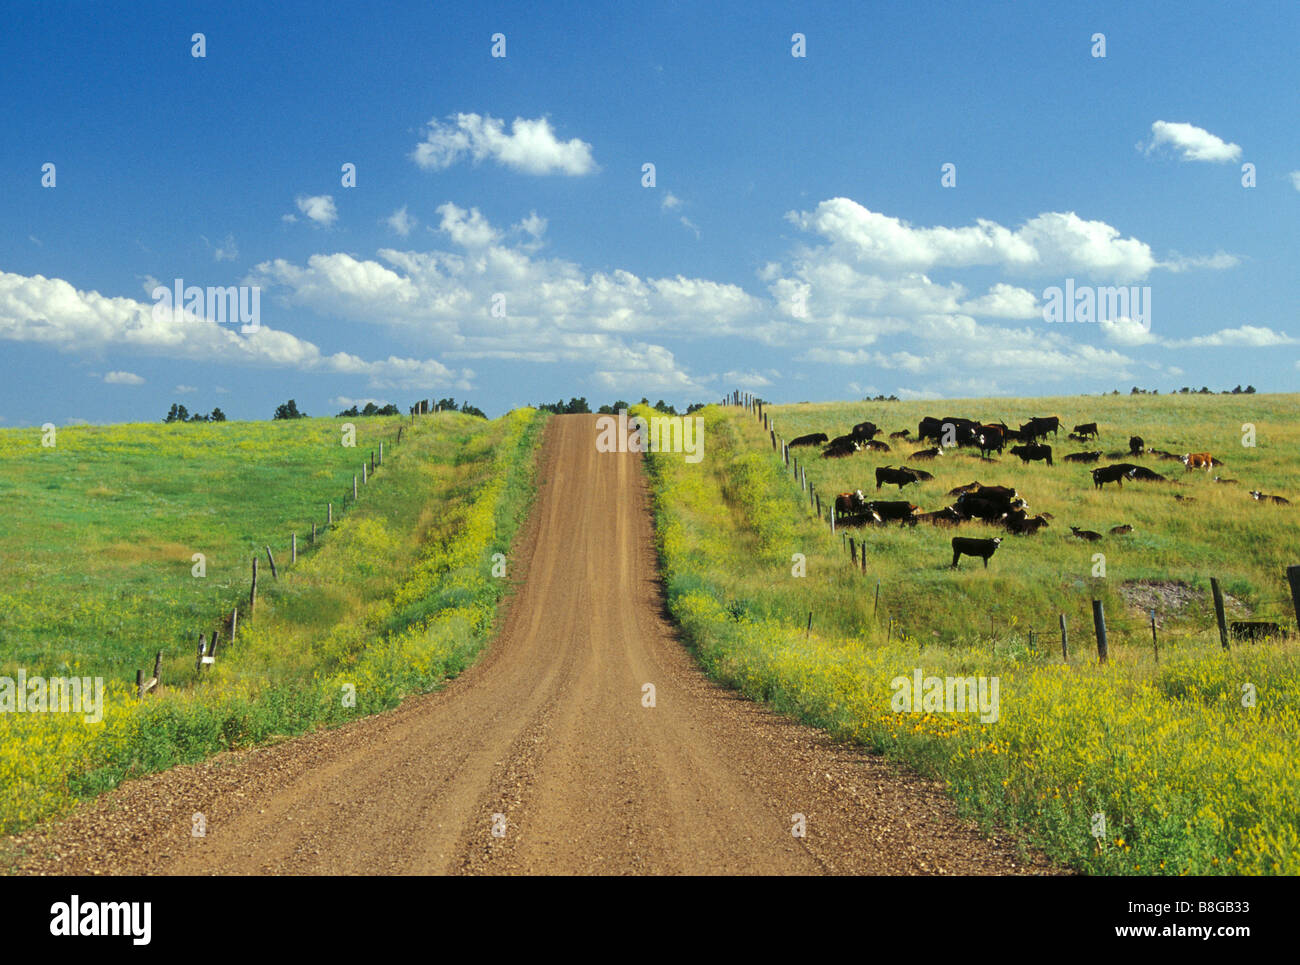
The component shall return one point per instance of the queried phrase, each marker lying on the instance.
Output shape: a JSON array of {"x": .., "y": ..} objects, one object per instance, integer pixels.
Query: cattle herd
[{"x": 975, "y": 502}]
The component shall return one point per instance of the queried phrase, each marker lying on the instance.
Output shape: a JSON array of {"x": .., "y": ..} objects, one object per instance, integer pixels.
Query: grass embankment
[
  {"x": 1188, "y": 778},
  {"x": 399, "y": 595}
]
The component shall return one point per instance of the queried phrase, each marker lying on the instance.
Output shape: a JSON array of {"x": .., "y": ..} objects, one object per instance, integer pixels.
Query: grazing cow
[
  {"x": 1038, "y": 428},
  {"x": 928, "y": 453},
  {"x": 1121, "y": 530},
  {"x": 1021, "y": 523},
  {"x": 1136, "y": 445},
  {"x": 1087, "y": 534},
  {"x": 983, "y": 548},
  {"x": 900, "y": 434},
  {"x": 812, "y": 439},
  {"x": 875, "y": 445},
  {"x": 846, "y": 504},
  {"x": 989, "y": 503},
  {"x": 1029, "y": 453},
  {"x": 941, "y": 517},
  {"x": 864, "y": 430},
  {"x": 1265, "y": 498},
  {"x": 901, "y": 510},
  {"x": 1087, "y": 430},
  {"x": 968, "y": 488},
  {"x": 1143, "y": 474},
  {"x": 1198, "y": 460},
  {"x": 1115, "y": 474},
  {"x": 899, "y": 477},
  {"x": 990, "y": 438},
  {"x": 840, "y": 448},
  {"x": 1084, "y": 456}
]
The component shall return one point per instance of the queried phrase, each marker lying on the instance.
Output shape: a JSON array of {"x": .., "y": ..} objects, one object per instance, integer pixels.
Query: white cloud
[
  {"x": 1217, "y": 262},
  {"x": 687, "y": 223},
  {"x": 400, "y": 222},
  {"x": 185, "y": 389},
  {"x": 670, "y": 201},
  {"x": 227, "y": 250},
  {"x": 1126, "y": 331},
  {"x": 468, "y": 229},
  {"x": 123, "y": 378},
  {"x": 50, "y": 311},
  {"x": 1050, "y": 243},
  {"x": 530, "y": 147},
  {"x": 1192, "y": 143},
  {"x": 319, "y": 208},
  {"x": 1295, "y": 179},
  {"x": 1247, "y": 336},
  {"x": 748, "y": 379}
]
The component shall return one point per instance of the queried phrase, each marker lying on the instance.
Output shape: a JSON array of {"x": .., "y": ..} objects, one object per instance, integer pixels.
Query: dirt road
[{"x": 549, "y": 732}]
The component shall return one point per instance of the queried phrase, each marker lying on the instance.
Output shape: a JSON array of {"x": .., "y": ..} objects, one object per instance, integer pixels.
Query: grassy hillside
[
  {"x": 1219, "y": 532},
  {"x": 1185, "y": 767},
  {"x": 97, "y": 533},
  {"x": 399, "y": 595}
]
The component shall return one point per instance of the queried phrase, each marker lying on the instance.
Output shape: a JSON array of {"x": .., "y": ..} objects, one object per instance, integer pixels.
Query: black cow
[
  {"x": 929, "y": 428},
  {"x": 1087, "y": 430},
  {"x": 1162, "y": 454},
  {"x": 1143, "y": 474},
  {"x": 875, "y": 445},
  {"x": 839, "y": 448},
  {"x": 1083, "y": 456},
  {"x": 1123, "y": 530},
  {"x": 928, "y": 453},
  {"x": 983, "y": 548},
  {"x": 941, "y": 517},
  {"x": 1087, "y": 534},
  {"x": 1113, "y": 474},
  {"x": 846, "y": 504},
  {"x": 1265, "y": 498},
  {"x": 901, "y": 510},
  {"x": 1136, "y": 445},
  {"x": 990, "y": 438},
  {"x": 920, "y": 474},
  {"x": 900, "y": 434},
  {"x": 1029, "y": 453},
  {"x": 968, "y": 488},
  {"x": 864, "y": 430},
  {"x": 900, "y": 477},
  {"x": 1020, "y": 522},
  {"x": 812, "y": 439}
]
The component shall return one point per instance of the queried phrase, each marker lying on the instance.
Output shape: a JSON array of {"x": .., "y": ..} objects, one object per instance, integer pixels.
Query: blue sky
[{"x": 798, "y": 241}]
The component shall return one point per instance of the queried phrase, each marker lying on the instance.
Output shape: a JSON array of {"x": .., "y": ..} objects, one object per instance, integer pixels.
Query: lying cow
[
  {"x": 968, "y": 488},
  {"x": 941, "y": 517},
  {"x": 1030, "y": 453},
  {"x": 900, "y": 434},
  {"x": 839, "y": 449},
  {"x": 900, "y": 510},
  {"x": 1265, "y": 498},
  {"x": 1087, "y": 431},
  {"x": 969, "y": 546},
  {"x": 1021, "y": 523},
  {"x": 1085, "y": 534},
  {"x": 875, "y": 445},
  {"x": 1143, "y": 474},
  {"x": 899, "y": 477},
  {"x": 1084, "y": 456},
  {"x": 812, "y": 439},
  {"x": 928, "y": 453},
  {"x": 1122, "y": 530},
  {"x": 920, "y": 474}
]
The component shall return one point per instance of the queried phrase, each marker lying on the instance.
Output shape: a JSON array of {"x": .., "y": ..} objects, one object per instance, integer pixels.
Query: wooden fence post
[
  {"x": 808, "y": 632},
  {"x": 832, "y": 519},
  {"x": 1293, "y": 578},
  {"x": 271, "y": 559},
  {"x": 853, "y": 551},
  {"x": 157, "y": 673},
  {"x": 293, "y": 548},
  {"x": 875, "y": 605},
  {"x": 329, "y": 514},
  {"x": 1218, "y": 611},
  {"x": 372, "y": 459},
  {"x": 365, "y": 474},
  {"x": 381, "y": 453},
  {"x": 354, "y": 487},
  {"x": 313, "y": 533},
  {"x": 399, "y": 433},
  {"x": 234, "y": 622},
  {"x": 252, "y": 594},
  {"x": 1065, "y": 646},
  {"x": 1099, "y": 623},
  {"x": 1154, "y": 642},
  {"x": 819, "y": 506},
  {"x": 203, "y": 649}
]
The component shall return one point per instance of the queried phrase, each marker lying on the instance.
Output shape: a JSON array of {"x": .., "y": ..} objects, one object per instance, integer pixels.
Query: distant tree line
[
  {"x": 371, "y": 409},
  {"x": 178, "y": 413},
  {"x": 1185, "y": 390},
  {"x": 579, "y": 405}
]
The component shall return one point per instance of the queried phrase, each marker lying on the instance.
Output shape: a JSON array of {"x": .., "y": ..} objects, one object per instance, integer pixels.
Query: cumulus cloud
[
  {"x": 1295, "y": 179},
  {"x": 1217, "y": 262},
  {"x": 400, "y": 222},
  {"x": 1191, "y": 143},
  {"x": 319, "y": 208},
  {"x": 51, "y": 311},
  {"x": 1247, "y": 336},
  {"x": 531, "y": 146},
  {"x": 185, "y": 389},
  {"x": 1126, "y": 331},
  {"x": 123, "y": 378}
]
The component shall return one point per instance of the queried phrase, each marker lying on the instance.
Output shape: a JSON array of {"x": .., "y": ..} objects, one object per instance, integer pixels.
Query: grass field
[
  {"x": 1181, "y": 767},
  {"x": 399, "y": 594},
  {"x": 97, "y": 533}
]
